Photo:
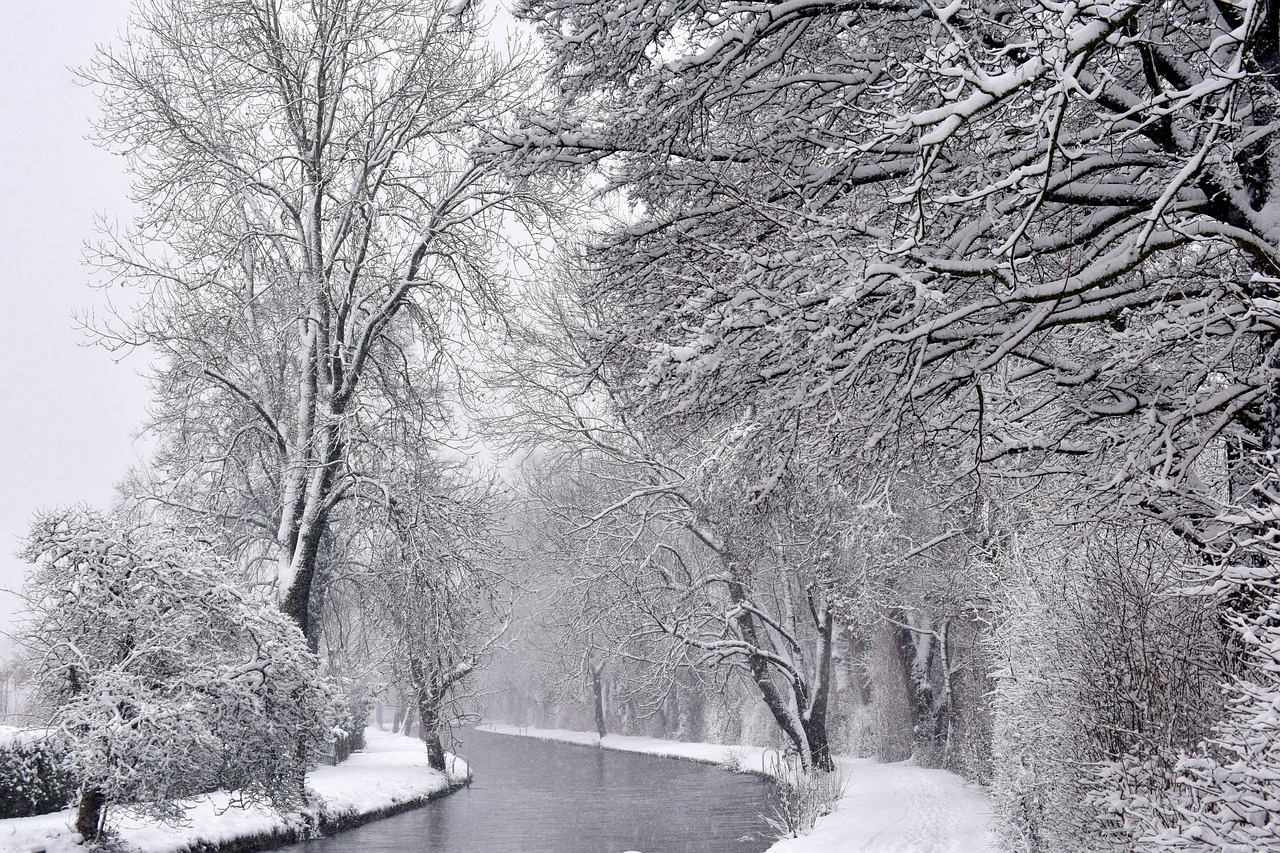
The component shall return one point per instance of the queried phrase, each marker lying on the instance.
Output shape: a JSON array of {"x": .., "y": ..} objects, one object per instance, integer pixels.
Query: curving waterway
[{"x": 540, "y": 797}]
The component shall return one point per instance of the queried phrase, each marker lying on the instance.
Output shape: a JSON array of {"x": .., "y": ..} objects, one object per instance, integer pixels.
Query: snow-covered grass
[
  {"x": 389, "y": 774},
  {"x": 14, "y": 735},
  {"x": 747, "y": 759},
  {"x": 885, "y": 807}
]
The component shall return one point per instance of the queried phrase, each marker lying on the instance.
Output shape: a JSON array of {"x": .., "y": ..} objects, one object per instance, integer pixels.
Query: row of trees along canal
[{"x": 907, "y": 371}]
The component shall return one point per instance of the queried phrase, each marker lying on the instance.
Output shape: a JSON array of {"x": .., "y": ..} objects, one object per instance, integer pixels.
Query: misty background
[{"x": 68, "y": 412}]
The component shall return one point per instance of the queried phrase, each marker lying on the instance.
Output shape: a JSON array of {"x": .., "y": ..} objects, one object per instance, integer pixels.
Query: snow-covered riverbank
[
  {"x": 885, "y": 807},
  {"x": 390, "y": 774}
]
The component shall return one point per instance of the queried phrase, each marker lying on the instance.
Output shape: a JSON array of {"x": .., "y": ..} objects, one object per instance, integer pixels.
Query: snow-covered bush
[
  {"x": 161, "y": 677},
  {"x": 1107, "y": 672},
  {"x": 32, "y": 780},
  {"x": 1223, "y": 794},
  {"x": 1039, "y": 743},
  {"x": 801, "y": 797}
]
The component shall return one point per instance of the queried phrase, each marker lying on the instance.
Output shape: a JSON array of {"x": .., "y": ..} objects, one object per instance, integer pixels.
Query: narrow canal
[{"x": 540, "y": 797}]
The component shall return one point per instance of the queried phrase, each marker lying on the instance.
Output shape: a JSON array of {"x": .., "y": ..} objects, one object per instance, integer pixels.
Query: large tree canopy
[
  {"x": 312, "y": 230},
  {"x": 1042, "y": 231}
]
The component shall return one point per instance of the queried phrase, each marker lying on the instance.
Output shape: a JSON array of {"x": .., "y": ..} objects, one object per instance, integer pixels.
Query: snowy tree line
[
  {"x": 990, "y": 288},
  {"x": 876, "y": 376}
]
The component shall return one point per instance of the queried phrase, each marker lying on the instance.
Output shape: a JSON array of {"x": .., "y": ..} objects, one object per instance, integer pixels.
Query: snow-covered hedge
[
  {"x": 1110, "y": 674},
  {"x": 1223, "y": 794},
  {"x": 32, "y": 780}
]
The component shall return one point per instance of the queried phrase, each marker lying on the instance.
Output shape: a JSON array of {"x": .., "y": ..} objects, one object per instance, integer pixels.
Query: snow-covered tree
[
  {"x": 309, "y": 213},
  {"x": 662, "y": 527},
  {"x": 437, "y": 592},
  {"x": 1039, "y": 240},
  {"x": 1031, "y": 230},
  {"x": 159, "y": 675}
]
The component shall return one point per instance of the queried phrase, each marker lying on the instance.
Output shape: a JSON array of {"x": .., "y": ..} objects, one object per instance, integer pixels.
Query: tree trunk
[
  {"x": 815, "y": 719},
  {"x": 915, "y": 645},
  {"x": 89, "y": 814},
  {"x": 758, "y": 666},
  {"x": 429, "y": 728},
  {"x": 597, "y": 690},
  {"x": 430, "y": 687},
  {"x": 305, "y": 596}
]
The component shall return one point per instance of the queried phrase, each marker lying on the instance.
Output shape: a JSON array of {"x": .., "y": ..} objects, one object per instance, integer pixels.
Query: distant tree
[
  {"x": 660, "y": 528},
  {"x": 310, "y": 214},
  {"x": 437, "y": 592},
  {"x": 160, "y": 677}
]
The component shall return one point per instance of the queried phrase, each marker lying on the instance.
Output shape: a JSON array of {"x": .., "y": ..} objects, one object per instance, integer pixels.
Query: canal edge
[
  {"x": 729, "y": 765},
  {"x": 325, "y": 826}
]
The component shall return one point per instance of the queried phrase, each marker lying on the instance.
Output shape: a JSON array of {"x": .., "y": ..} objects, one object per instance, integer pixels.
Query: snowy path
[
  {"x": 893, "y": 808},
  {"x": 391, "y": 771},
  {"x": 886, "y": 808}
]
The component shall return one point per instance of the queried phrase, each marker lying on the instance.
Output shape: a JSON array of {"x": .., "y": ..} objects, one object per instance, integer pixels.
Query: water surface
[{"x": 540, "y": 797}]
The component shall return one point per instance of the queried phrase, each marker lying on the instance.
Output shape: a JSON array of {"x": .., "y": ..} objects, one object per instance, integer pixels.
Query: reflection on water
[{"x": 541, "y": 797}]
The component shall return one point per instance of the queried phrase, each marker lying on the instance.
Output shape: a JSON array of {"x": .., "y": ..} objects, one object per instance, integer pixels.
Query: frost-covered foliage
[
  {"x": 1105, "y": 671},
  {"x": 32, "y": 779},
  {"x": 159, "y": 675},
  {"x": 1224, "y": 793},
  {"x": 1019, "y": 224}
]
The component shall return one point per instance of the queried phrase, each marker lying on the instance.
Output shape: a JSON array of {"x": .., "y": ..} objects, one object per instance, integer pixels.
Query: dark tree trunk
[
  {"x": 920, "y": 688},
  {"x": 597, "y": 690},
  {"x": 429, "y": 688},
  {"x": 410, "y": 715},
  {"x": 815, "y": 720},
  {"x": 89, "y": 814},
  {"x": 758, "y": 666},
  {"x": 305, "y": 598},
  {"x": 815, "y": 728},
  {"x": 429, "y": 730}
]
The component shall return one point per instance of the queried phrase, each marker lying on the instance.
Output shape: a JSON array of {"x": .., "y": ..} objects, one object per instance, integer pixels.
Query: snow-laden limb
[
  {"x": 390, "y": 773},
  {"x": 885, "y": 807}
]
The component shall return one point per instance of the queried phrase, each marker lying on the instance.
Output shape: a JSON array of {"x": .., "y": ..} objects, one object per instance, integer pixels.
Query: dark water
[{"x": 540, "y": 797}]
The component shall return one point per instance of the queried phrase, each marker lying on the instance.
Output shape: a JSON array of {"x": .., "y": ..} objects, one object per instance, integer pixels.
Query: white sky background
[{"x": 67, "y": 412}]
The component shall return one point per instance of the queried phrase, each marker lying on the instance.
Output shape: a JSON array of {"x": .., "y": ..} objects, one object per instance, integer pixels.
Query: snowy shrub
[
  {"x": 1107, "y": 673},
  {"x": 349, "y": 715},
  {"x": 32, "y": 780},
  {"x": 801, "y": 797},
  {"x": 161, "y": 677},
  {"x": 357, "y": 718},
  {"x": 1224, "y": 794}
]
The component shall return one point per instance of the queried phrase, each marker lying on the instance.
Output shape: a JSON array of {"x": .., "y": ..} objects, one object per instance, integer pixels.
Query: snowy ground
[
  {"x": 13, "y": 734},
  {"x": 886, "y": 808},
  {"x": 390, "y": 771}
]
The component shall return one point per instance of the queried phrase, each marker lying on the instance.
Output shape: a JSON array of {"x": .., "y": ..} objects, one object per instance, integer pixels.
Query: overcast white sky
[{"x": 67, "y": 412}]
